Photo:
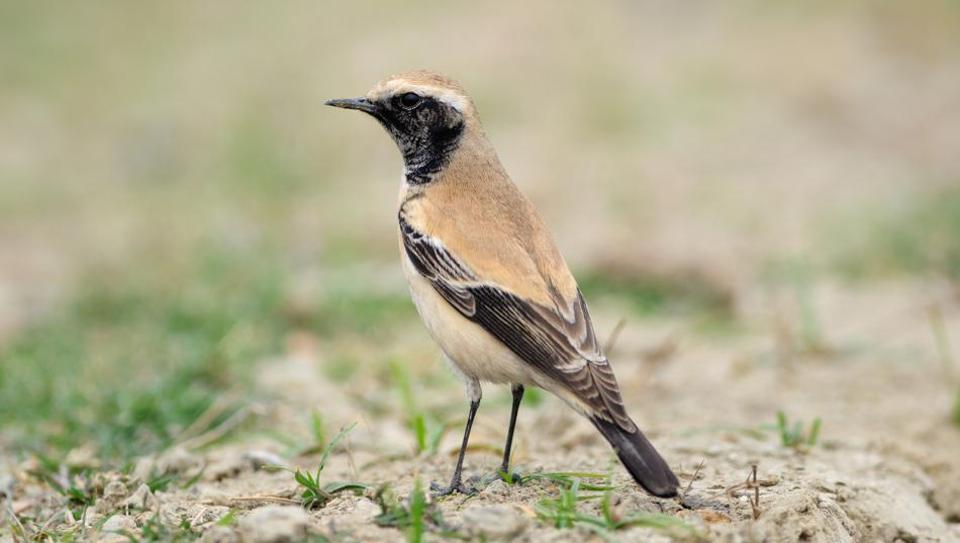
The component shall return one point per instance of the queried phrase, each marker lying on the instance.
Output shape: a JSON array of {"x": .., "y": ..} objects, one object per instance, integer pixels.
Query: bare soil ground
[{"x": 885, "y": 467}]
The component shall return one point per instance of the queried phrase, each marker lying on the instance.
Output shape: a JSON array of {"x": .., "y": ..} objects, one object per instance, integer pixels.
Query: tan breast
[
  {"x": 471, "y": 349},
  {"x": 484, "y": 219}
]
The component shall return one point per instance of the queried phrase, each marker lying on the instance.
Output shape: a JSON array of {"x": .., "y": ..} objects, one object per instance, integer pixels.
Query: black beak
[{"x": 361, "y": 104}]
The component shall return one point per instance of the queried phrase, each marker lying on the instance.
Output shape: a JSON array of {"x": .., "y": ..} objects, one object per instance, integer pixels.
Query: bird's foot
[{"x": 455, "y": 486}]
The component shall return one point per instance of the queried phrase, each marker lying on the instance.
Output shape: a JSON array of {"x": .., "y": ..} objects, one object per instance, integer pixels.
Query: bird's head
[{"x": 427, "y": 115}]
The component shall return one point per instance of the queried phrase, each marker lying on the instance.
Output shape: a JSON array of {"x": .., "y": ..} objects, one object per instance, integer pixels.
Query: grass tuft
[
  {"x": 796, "y": 436},
  {"x": 154, "y": 530},
  {"x": 563, "y": 512},
  {"x": 315, "y": 494},
  {"x": 417, "y": 516}
]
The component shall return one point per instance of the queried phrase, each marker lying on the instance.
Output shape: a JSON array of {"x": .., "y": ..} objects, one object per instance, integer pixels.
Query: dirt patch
[{"x": 882, "y": 469}]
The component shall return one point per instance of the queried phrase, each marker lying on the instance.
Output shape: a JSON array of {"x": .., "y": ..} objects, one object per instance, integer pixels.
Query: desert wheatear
[{"x": 484, "y": 273}]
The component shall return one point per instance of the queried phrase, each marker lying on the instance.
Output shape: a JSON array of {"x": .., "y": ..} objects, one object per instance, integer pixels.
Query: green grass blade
[
  {"x": 333, "y": 443},
  {"x": 814, "y": 432},
  {"x": 418, "y": 506}
]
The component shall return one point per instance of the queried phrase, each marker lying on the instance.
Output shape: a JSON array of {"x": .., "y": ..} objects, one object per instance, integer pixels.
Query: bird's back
[{"x": 513, "y": 249}]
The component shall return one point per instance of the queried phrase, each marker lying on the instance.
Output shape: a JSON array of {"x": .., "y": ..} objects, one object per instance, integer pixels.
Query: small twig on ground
[
  {"x": 755, "y": 501},
  {"x": 614, "y": 335},
  {"x": 752, "y": 487},
  {"x": 198, "y": 516},
  {"x": 696, "y": 473},
  {"x": 237, "y": 500}
]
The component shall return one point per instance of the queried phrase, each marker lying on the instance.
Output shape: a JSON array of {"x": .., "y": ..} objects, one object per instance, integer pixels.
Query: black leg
[
  {"x": 517, "y": 397},
  {"x": 456, "y": 485}
]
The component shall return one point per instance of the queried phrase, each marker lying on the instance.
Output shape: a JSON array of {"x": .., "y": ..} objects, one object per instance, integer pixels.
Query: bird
[{"x": 486, "y": 277}]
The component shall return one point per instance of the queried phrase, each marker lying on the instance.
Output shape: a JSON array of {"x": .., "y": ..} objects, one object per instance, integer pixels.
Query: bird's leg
[
  {"x": 456, "y": 484},
  {"x": 517, "y": 390}
]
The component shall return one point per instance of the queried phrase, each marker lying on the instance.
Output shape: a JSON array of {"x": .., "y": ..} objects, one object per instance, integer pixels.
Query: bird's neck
[
  {"x": 468, "y": 156},
  {"x": 423, "y": 160}
]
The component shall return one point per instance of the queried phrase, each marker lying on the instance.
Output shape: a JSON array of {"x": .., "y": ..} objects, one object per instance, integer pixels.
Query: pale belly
[{"x": 472, "y": 350}]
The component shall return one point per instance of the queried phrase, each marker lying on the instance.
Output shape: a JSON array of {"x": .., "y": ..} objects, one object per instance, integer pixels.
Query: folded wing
[{"x": 558, "y": 341}]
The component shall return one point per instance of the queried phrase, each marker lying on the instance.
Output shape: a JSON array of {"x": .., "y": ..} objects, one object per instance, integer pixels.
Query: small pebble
[
  {"x": 494, "y": 521},
  {"x": 275, "y": 524},
  {"x": 220, "y": 534},
  {"x": 142, "y": 498},
  {"x": 119, "y": 523}
]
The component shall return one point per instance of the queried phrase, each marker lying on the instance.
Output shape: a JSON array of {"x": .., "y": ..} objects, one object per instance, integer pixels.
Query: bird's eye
[{"x": 410, "y": 100}]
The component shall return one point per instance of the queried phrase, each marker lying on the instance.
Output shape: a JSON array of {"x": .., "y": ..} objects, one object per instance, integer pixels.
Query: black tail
[{"x": 640, "y": 458}]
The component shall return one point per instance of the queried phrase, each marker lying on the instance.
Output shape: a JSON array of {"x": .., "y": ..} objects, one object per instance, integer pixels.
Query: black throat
[
  {"x": 427, "y": 135},
  {"x": 424, "y": 157}
]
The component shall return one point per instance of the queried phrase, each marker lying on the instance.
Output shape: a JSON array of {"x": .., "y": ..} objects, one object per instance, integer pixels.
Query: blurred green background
[{"x": 176, "y": 202}]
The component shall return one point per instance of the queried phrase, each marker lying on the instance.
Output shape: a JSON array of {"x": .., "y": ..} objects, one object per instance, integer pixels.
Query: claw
[{"x": 458, "y": 486}]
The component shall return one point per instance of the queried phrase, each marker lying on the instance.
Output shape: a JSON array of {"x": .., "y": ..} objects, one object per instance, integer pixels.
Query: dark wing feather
[{"x": 559, "y": 341}]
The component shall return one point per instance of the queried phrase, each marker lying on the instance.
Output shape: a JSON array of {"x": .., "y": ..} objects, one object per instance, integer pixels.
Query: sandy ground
[{"x": 884, "y": 469}]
